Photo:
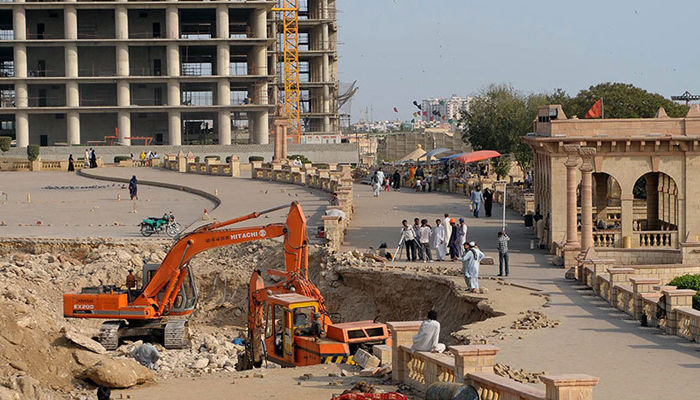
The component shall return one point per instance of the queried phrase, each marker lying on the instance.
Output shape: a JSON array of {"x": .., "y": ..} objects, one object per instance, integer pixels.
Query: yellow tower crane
[{"x": 290, "y": 31}]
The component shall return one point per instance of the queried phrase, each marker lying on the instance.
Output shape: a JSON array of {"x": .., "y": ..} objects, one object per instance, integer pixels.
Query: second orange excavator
[{"x": 287, "y": 323}]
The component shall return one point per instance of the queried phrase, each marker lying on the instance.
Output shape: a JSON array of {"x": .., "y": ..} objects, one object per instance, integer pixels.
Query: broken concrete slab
[
  {"x": 366, "y": 360},
  {"x": 383, "y": 353},
  {"x": 84, "y": 341}
]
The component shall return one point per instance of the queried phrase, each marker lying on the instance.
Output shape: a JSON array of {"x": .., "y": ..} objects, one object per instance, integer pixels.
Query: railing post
[
  {"x": 569, "y": 387},
  {"x": 473, "y": 358},
  {"x": 639, "y": 286},
  {"x": 235, "y": 166},
  {"x": 401, "y": 335},
  {"x": 618, "y": 276},
  {"x": 676, "y": 299}
]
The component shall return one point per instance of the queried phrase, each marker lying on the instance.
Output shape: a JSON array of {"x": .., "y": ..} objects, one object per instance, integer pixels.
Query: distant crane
[
  {"x": 290, "y": 31},
  {"x": 687, "y": 97}
]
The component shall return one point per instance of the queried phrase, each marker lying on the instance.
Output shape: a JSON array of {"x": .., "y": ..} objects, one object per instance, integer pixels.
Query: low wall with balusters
[
  {"x": 474, "y": 365},
  {"x": 334, "y": 179}
]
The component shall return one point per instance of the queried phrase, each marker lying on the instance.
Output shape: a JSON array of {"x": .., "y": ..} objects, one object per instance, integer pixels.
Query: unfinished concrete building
[
  {"x": 162, "y": 72},
  {"x": 318, "y": 66}
]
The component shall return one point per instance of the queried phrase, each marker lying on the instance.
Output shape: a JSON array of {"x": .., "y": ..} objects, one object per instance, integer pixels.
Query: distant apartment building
[
  {"x": 166, "y": 72},
  {"x": 444, "y": 109}
]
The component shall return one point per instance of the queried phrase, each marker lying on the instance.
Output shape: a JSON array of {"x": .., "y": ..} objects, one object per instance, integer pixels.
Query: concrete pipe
[{"x": 451, "y": 391}]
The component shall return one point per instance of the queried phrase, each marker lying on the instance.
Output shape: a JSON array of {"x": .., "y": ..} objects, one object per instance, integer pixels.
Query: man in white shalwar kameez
[
  {"x": 470, "y": 265},
  {"x": 448, "y": 231},
  {"x": 439, "y": 240},
  {"x": 428, "y": 336}
]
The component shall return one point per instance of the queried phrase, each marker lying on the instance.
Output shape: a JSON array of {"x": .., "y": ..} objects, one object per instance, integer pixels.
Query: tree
[
  {"x": 33, "y": 151},
  {"x": 622, "y": 100},
  {"x": 5, "y": 143},
  {"x": 502, "y": 167},
  {"x": 497, "y": 119}
]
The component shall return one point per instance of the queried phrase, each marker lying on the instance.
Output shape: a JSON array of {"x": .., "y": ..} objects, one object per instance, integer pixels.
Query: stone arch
[
  {"x": 607, "y": 200},
  {"x": 655, "y": 202}
]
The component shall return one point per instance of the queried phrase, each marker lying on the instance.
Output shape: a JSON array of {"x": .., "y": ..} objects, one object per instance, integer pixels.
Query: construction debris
[
  {"x": 366, "y": 360},
  {"x": 534, "y": 320},
  {"x": 517, "y": 375}
]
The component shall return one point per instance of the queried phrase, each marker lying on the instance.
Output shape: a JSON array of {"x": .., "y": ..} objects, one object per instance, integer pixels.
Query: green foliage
[
  {"x": 300, "y": 157},
  {"x": 5, "y": 143},
  {"x": 640, "y": 188},
  {"x": 689, "y": 282},
  {"x": 33, "y": 151},
  {"x": 118, "y": 159},
  {"x": 497, "y": 119},
  {"x": 620, "y": 100},
  {"x": 256, "y": 158},
  {"x": 196, "y": 159},
  {"x": 502, "y": 166},
  {"x": 321, "y": 166}
]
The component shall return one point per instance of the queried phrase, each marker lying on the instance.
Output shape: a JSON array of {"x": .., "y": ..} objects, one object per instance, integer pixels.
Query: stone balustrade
[
  {"x": 334, "y": 179},
  {"x": 641, "y": 294},
  {"x": 474, "y": 365},
  {"x": 188, "y": 164},
  {"x": 40, "y": 165}
]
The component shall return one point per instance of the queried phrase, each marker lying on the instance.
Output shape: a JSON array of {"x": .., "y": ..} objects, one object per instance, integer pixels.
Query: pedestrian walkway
[{"x": 594, "y": 338}]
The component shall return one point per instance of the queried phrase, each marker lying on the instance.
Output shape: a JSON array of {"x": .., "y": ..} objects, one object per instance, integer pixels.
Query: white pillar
[
  {"x": 71, "y": 60},
  {"x": 122, "y": 59},
  {"x": 173, "y": 52},
  {"x": 19, "y": 23},
  {"x": 224, "y": 127},
  {"x": 21, "y": 94},
  {"x": 72, "y": 94},
  {"x": 22, "y": 129},
  {"x": 174, "y": 128},
  {"x": 173, "y": 93},
  {"x": 172, "y": 23},
  {"x": 20, "y": 58},
  {"x": 70, "y": 22},
  {"x": 261, "y": 129},
  {"x": 73, "y": 127},
  {"x": 121, "y": 22},
  {"x": 223, "y": 62},
  {"x": 222, "y": 21},
  {"x": 124, "y": 125}
]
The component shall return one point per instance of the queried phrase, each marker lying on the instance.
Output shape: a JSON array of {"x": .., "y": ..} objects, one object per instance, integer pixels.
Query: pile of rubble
[
  {"x": 519, "y": 375},
  {"x": 534, "y": 320}
]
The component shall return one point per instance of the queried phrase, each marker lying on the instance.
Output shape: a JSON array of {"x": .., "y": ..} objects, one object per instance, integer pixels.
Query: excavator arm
[{"x": 173, "y": 269}]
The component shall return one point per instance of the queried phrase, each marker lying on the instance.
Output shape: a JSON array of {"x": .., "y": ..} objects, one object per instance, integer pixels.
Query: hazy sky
[{"x": 405, "y": 50}]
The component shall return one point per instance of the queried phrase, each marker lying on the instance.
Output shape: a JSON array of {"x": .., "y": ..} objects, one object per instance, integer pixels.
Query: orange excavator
[{"x": 287, "y": 323}]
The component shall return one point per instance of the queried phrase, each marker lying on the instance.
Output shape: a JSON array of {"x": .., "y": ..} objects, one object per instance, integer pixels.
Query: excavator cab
[{"x": 187, "y": 297}]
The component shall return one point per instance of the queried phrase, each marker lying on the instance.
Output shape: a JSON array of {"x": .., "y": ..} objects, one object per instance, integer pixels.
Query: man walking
[
  {"x": 461, "y": 235},
  {"x": 439, "y": 240},
  {"x": 502, "y": 247},
  {"x": 470, "y": 265},
  {"x": 396, "y": 181},
  {"x": 408, "y": 236},
  {"x": 425, "y": 232},
  {"x": 448, "y": 230},
  {"x": 453, "y": 241},
  {"x": 377, "y": 181},
  {"x": 477, "y": 198}
]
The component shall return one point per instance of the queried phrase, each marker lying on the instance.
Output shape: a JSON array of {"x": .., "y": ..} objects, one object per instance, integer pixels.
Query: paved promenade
[{"x": 595, "y": 339}]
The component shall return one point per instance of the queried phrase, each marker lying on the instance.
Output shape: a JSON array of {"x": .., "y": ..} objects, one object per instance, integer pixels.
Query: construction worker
[{"x": 131, "y": 280}]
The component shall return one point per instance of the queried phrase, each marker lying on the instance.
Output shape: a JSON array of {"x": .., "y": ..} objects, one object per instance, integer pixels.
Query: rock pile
[
  {"x": 519, "y": 375},
  {"x": 534, "y": 320}
]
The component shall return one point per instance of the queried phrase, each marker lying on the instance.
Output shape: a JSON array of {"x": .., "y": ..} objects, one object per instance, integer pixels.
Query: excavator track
[
  {"x": 177, "y": 334},
  {"x": 109, "y": 334}
]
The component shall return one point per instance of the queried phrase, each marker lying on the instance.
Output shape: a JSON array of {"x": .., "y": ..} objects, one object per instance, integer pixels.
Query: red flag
[
  {"x": 596, "y": 111},
  {"x": 396, "y": 110}
]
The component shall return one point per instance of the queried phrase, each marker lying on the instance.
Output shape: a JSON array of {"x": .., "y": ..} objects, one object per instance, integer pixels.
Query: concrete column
[
  {"x": 224, "y": 92},
  {"x": 123, "y": 93},
  {"x": 257, "y": 60},
  {"x": 261, "y": 129},
  {"x": 225, "y": 127},
  {"x": 174, "y": 128},
  {"x": 223, "y": 59},
  {"x": 71, "y": 60},
  {"x": 124, "y": 125},
  {"x": 73, "y": 127},
  {"x": 72, "y": 94},
  {"x": 22, "y": 128},
  {"x": 121, "y": 22},
  {"x": 173, "y": 52},
  {"x": 19, "y": 23},
  {"x": 587, "y": 154},
  {"x": 258, "y": 24},
  {"x": 70, "y": 23},
  {"x": 122, "y": 59},
  {"x": 571, "y": 186},
  {"x": 172, "y": 23},
  {"x": 173, "y": 93},
  {"x": 20, "y": 58},
  {"x": 21, "y": 94},
  {"x": 222, "y": 21}
]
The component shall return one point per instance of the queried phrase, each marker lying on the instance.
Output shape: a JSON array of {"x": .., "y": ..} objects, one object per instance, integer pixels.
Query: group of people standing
[
  {"x": 447, "y": 237},
  {"x": 90, "y": 160}
]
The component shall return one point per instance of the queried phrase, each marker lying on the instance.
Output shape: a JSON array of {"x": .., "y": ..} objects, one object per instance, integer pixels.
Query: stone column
[
  {"x": 261, "y": 128},
  {"x": 572, "y": 243},
  {"x": 121, "y": 22},
  {"x": 473, "y": 359},
  {"x": 224, "y": 94},
  {"x": 70, "y": 22},
  {"x": 172, "y": 23},
  {"x": 22, "y": 128},
  {"x": 587, "y": 154},
  {"x": 281, "y": 124},
  {"x": 627, "y": 217},
  {"x": 401, "y": 335},
  {"x": 19, "y": 23},
  {"x": 222, "y": 22},
  {"x": 73, "y": 127},
  {"x": 124, "y": 116},
  {"x": 174, "y": 128}
]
